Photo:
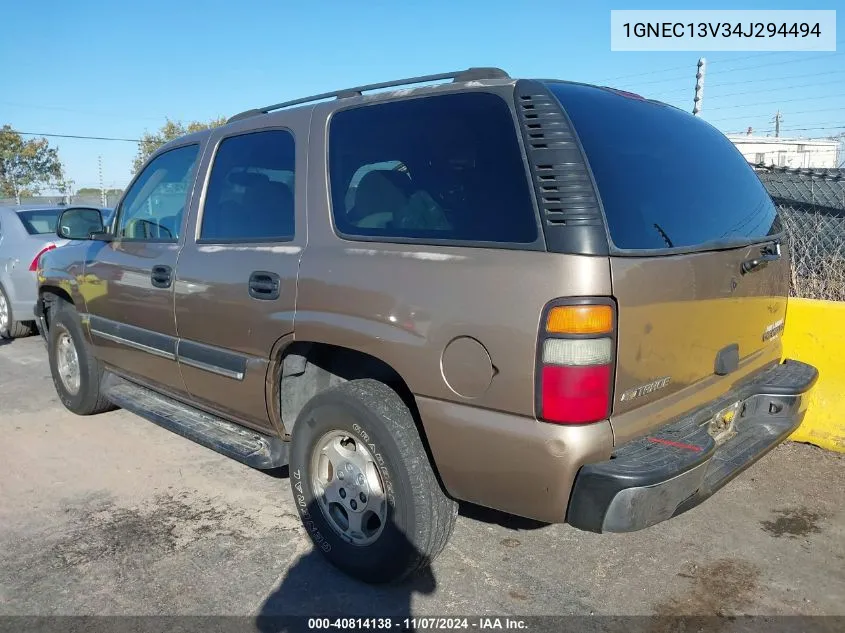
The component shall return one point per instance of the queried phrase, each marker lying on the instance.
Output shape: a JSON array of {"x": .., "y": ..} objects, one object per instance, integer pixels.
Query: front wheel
[
  {"x": 363, "y": 484},
  {"x": 76, "y": 371}
]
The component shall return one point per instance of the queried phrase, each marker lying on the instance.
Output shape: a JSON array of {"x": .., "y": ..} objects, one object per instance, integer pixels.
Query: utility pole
[
  {"x": 699, "y": 86},
  {"x": 102, "y": 188},
  {"x": 777, "y": 120}
]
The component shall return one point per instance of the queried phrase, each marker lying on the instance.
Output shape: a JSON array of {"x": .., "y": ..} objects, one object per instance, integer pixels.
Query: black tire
[
  {"x": 420, "y": 517},
  {"x": 88, "y": 399},
  {"x": 14, "y": 329}
]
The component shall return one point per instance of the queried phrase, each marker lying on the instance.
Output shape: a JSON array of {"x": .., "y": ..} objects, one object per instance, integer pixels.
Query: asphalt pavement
[{"x": 111, "y": 514}]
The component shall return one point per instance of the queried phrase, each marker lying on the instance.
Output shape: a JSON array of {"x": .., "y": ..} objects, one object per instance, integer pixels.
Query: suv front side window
[{"x": 155, "y": 203}]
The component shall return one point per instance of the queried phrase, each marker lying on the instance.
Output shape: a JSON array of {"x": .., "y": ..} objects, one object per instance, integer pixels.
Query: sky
[{"x": 118, "y": 69}]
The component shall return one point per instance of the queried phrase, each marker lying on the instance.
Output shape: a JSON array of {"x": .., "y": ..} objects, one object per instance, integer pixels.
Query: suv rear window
[
  {"x": 436, "y": 168},
  {"x": 666, "y": 178}
]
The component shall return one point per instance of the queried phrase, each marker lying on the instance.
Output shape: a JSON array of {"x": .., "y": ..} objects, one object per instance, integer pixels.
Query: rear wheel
[
  {"x": 76, "y": 371},
  {"x": 9, "y": 328},
  {"x": 364, "y": 486}
]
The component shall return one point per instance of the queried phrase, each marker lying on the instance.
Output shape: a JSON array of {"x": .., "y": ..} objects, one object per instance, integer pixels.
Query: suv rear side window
[
  {"x": 153, "y": 207},
  {"x": 665, "y": 178},
  {"x": 250, "y": 189},
  {"x": 435, "y": 168}
]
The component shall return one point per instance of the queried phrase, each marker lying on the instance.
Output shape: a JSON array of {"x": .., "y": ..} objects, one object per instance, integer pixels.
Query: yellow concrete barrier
[{"x": 815, "y": 333}]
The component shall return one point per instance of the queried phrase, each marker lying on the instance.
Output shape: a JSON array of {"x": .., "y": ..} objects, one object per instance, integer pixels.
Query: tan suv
[{"x": 558, "y": 300}]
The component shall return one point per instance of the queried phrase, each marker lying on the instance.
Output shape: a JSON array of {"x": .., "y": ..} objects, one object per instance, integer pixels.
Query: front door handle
[
  {"x": 264, "y": 285},
  {"x": 162, "y": 276}
]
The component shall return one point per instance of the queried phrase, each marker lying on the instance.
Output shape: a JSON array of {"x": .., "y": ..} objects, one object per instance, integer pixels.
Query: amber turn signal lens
[{"x": 586, "y": 319}]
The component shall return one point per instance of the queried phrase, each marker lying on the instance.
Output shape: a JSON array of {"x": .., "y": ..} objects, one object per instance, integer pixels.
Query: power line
[
  {"x": 797, "y": 129},
  {"x": 715, "y": 61},
  {"x": 685, "y": 91},
  {"x": 752, "y": 56},
  {"x": 78, "y": 111},
  {"x": 778, "y": 101},
  {"x": 651, "y": 72},
  {"x": 656, "y": 81},
  {"x": 743, "y": 116},
  {"x": 751, "y": 81},
  {"x": 88, "y": 138},
  {"x": 780, "y": 63},
  {"x": 824, "y": 127},
  {"x": 729, "y": 70},
  {"x": 789, "y": 87}
]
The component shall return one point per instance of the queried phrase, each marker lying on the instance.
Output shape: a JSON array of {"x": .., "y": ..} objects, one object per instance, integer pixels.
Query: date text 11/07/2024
[{"x": 417, "y": 624}]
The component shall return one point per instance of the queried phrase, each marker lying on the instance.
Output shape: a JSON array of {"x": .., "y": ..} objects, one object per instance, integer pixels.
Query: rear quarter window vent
[{"x": 569, "y": 208}]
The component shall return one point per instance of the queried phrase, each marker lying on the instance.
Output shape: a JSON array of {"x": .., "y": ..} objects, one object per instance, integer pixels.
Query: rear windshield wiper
[
  {"x": 663, "y": 235},
  {"x": 768, "y": 253}
]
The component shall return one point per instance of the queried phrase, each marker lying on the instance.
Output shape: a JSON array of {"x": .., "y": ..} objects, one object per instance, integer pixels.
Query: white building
[{"x": 787, "y": 152}]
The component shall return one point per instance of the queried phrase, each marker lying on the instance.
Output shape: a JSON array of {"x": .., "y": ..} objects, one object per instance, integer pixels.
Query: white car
[{"x": 26, "y": 233}]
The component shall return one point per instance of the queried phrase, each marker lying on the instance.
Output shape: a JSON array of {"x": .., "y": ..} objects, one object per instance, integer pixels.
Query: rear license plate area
[{"x": 722, "y": 426}]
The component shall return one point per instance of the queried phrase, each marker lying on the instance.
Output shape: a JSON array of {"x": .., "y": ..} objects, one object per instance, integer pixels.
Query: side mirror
[{"x": 79, "y": 223}]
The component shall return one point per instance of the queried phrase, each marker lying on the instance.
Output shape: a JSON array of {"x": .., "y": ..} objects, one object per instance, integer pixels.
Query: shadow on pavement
[
  {"x": 496, "y": 517},
  {"x": 281, "y": 472},
  {"x": 314, "y": 588}
]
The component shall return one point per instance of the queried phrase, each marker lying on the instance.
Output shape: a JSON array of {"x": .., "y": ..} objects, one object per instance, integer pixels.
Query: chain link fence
[
  {"x": 49, "y": 201},
  {"x": 811, "y": 203}
]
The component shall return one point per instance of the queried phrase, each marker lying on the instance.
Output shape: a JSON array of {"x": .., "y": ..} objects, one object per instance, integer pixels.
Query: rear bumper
[
  {"x": 659, "y": 476},
  {"x": 21, "y": 293}
]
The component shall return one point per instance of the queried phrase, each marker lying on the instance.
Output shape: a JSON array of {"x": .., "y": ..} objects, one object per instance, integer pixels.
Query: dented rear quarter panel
[{"x": 405, "y": 303}]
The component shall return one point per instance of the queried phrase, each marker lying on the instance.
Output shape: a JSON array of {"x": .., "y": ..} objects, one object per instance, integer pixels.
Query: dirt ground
[{"x": 114, "y": 515}]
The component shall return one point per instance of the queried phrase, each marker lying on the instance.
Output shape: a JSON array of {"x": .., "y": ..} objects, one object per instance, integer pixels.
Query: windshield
[
  {"x": 41, "y": 221},
  {"x": 666, "y": 178}
]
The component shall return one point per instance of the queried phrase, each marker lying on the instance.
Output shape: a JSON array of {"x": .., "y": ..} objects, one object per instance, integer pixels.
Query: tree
[
  {"x": 26, "y": 166},
  {"x": 150, "y": 142},
  {"x": 95, "y": 191},
  {"x": 65, "y": 186}
]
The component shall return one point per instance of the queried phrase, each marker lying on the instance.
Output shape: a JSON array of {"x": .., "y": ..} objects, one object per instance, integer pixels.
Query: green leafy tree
[
  {"x": 26, "y": 166},
  {"x": 151, "y": 141}
]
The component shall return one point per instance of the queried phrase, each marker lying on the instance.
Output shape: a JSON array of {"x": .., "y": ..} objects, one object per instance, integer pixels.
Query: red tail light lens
[
  {"x": 576, "y": 395},
  {"x": 575, "y": 372},
  {"x": 34, "y": 265}
]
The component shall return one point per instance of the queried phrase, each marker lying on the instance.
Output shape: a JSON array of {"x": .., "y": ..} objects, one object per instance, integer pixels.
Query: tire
[
  {"x": 87, "y": 398},
  {"x": 9, "y": 328},
  {"x": 418, "y": 516}
]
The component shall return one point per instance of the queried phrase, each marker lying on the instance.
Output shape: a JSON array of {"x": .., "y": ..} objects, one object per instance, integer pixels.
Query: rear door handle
[
  {"x": 161, "y": 276},
  {"x": 264, "y": 285}
]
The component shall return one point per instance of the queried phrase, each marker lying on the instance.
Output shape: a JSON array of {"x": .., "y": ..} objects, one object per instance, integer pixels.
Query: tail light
[
  {"x": 575, "y": 362},
  {"x": 34, "y": 265}
]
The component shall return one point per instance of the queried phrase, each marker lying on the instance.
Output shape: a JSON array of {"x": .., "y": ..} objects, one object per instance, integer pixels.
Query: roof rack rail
[{"x": 470, "y": 74}]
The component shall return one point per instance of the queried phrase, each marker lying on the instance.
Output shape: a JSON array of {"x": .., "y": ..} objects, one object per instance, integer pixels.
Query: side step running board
[{"x": 235, "y": 441}]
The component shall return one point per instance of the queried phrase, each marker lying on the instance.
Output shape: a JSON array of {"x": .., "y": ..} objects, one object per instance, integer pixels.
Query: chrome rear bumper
[{"x": 659, "y": 476}]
